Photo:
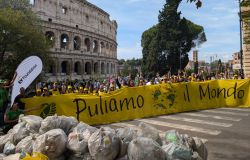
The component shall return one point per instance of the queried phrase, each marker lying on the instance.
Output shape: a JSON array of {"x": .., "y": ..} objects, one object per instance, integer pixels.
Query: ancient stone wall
[
  {"x": 82, "y": 36},
  {"x": 246, "y": 38}
]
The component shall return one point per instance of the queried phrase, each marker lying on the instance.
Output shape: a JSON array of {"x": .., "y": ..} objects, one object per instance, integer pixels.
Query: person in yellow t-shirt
[
  {"x": 86, "y": 91},
  {"x": 70, "y": 90},
  {"x": 81, "y": 91}
]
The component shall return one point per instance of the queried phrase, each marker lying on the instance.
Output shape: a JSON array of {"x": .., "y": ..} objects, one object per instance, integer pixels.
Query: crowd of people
[{"x": 98, "y": 87}]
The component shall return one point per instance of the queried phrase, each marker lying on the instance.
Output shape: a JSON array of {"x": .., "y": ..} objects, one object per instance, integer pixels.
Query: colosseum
[{"x": 83, "y": 39}]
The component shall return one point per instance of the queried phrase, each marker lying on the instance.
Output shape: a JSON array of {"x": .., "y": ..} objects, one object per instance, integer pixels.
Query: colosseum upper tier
[{"x": 83, "y": 39}]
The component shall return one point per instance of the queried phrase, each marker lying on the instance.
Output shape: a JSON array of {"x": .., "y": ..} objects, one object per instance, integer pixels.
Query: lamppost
[{"x": 241, "y": 50}]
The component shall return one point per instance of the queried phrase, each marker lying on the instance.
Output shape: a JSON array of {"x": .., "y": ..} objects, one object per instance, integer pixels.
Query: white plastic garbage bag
[
  {"x": 9, "y": 148},
  {"x": 4, "y": 139},
  {"x": 149, "y": 132},
  {"x": 32, "y": 123},
  {"x": 103, "y": 144},
  {"x": 67, "y": 123},
  {"x": 19, "y": 132},
  {"x": 78, "y": 141},
  {"x": 25, "y": 145},
  {"x": 127, "y": 134},
  {"x": 52, "y": 143},
  {"x": 58, "y": 122},
  {"x": 83, "y": 126},
  {"x": 143, "y": 148}
]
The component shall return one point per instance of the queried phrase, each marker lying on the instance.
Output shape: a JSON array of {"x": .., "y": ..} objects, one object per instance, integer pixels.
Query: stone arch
[
  {"x": 77, "y": 68},
  {"x": 65, "y": 67},
  {"x": 64, "y": 41},
  {"x": 77, "y": 43},
  {"x": 88, "y": 68},
  {"x": 107, "y": 46},
  {"x": 102, "y": 68},
  {"x": 102, "y": 48},
  {"x": 96, "y": 68},
  {"x": 107, "y": 68},
  {"x": 87, "y": 44},
  {"x": 50, "y": 37},
  {"x": 95, "y": 46}
]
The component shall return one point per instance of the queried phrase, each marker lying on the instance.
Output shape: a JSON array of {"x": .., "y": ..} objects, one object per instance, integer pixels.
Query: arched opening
[
  {"x": 64, "y": 41},
  {"x": 95, "y": 46},
  {"x": 65, "y": 67},
  {"x": 77, "y": 43},
  {"x": 107, "y": 46},
  {"x": 50, "y": 37},
  {"x": 102, "y": 47},
  {"x": 87, "y": 44},
  {"x": 88, "y": 68},
  {"x": 50, "y": 69},
  {"x": 96, "y": 68},
  {"x": 107, "y": 68},
  {"x": 102, "y": 68},
  {"x": 77, "y": 68}
]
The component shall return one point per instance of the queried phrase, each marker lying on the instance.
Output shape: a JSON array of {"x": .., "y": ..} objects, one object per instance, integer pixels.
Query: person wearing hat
[
  {"x": 46, "y": 92},
  {"x": 81, "y": 91},
  {"x": 70, "y": 90},
  {"x": 11, "y": 116},
  {"x": 86, "y": 91}
]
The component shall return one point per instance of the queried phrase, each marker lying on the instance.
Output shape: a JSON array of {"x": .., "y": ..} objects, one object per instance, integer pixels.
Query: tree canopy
[
  {"x": 166, "y": 45},
  {"x": 20, "y": 35}
]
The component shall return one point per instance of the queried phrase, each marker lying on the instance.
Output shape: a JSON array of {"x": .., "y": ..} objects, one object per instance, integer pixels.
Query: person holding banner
[
  {"x": 12, "y": 115},
  {"x": 19, "y": 97}
]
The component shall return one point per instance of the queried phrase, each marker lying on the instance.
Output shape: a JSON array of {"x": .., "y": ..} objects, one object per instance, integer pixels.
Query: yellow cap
[
  {"x": 85, "y": 89},
  {"x": 69, "y": 87},
  {"x": 81, "y": 88},
  {"x": 38, "y": 90}
]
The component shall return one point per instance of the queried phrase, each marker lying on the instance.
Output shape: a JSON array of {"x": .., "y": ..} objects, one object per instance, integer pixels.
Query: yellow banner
[{"x": 145, "y": 101}]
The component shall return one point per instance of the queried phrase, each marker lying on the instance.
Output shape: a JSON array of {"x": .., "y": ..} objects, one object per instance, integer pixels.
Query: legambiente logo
[{"x": 27, "y": 74}]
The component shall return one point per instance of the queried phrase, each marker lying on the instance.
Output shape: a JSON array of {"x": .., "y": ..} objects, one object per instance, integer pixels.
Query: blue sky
[{"x": 218, "y": 17}]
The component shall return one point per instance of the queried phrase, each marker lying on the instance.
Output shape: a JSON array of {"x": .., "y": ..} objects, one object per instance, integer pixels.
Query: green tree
[
  {"x": 150, "y": 50},
  {"x": 166, "y": 45},
  {"x": 20, "y": 35}
]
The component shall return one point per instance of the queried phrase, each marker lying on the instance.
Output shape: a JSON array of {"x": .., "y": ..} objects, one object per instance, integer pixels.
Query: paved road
[{"x": 225, "y": 131}]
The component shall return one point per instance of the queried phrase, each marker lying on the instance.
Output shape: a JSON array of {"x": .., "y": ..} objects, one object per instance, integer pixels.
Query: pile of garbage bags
[{"x": 63, "y": 138}]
